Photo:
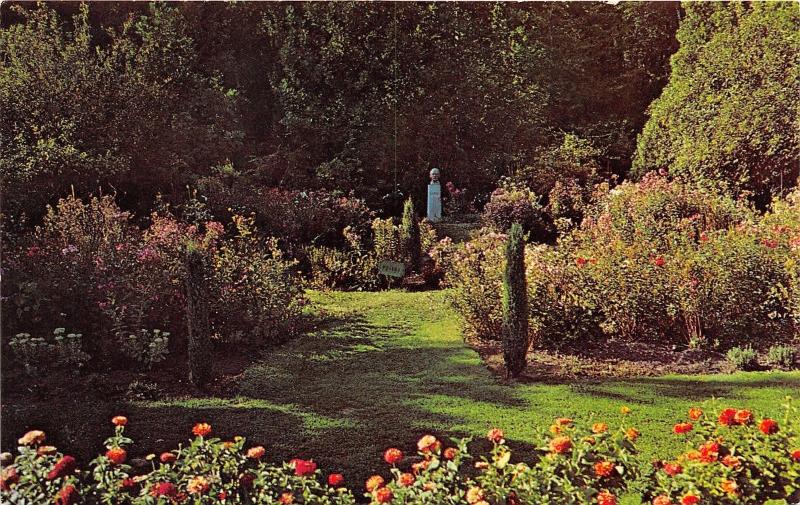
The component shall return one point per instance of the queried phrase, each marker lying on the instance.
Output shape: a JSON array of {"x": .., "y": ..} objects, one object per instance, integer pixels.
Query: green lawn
[{"x": 382, "y": 369}]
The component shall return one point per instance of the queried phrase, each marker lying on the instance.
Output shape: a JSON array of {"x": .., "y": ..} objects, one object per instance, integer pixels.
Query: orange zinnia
[
  {"x": 202, "y": 429},
  {"x": 603, "y": 468},
  {"x": 599, "y": 428},
  {"x": 119, "y": 420},
  {"x": 695, "y": 413},
  {"x": 374, "y": 483},
  {"x": 561, "y": 445}
]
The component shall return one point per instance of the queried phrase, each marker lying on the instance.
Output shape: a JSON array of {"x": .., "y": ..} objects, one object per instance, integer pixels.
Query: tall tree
[
  {"x": 515, "y": 304},
  {"x": 731, "y": 110}
]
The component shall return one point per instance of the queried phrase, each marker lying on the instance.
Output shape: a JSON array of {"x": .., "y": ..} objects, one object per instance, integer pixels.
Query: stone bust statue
[{"x": 435, "y": 175}]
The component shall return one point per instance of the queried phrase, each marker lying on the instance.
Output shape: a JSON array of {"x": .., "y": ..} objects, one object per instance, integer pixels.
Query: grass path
[{"x": 380, "y": 370}]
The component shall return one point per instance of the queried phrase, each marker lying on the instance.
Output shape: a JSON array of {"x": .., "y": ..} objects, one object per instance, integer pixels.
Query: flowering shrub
[
  {"x": 114, "y": 280},
  {"x": 732, "y": 457},
  {"x": 256, "y": 296},
  {"x": 475, "y": 275},
  {"x": 656, "y": 260},
  {"x": 516, "y": 203}
]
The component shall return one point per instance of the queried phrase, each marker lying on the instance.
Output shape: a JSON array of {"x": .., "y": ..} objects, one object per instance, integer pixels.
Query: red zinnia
[
  {"x": 690, "y": 499},
  {"x": 406, "y": 479},
  {"x": 335, "y": 479},
  {"x": 383, "y": 495},
  {"x": 659, "y": 261},
  {"x": 727, "y": 417},
  {"x": 672, "y": 469},
  {"x": 393, "y": 456},
  {"x": 167, "y": 489},
  {"x": 606, "y": 498},
  {"x": 64, "y": 467},
  {"x": 561, "y": 445},
  {"x": 68, "y": 495},
  {"x": 167, "y": 457},
  {"x": 119, "y": 420},
  {"x": 796, "y": 454},
  {"x": 127, "y": 483},
  {"x": 682, "y": 428},
  {"x": 709, "y": 452},
  {"x": 731, "y": 461},
  {"x": 768, "y": 426},
  {"x": 450, "y": 453},
  {"x": 303, "y": 467},
  {"x": 117, "y": 455}
]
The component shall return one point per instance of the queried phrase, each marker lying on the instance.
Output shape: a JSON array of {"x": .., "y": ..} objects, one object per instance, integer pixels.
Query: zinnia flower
[
  {"x": 46, "y": 450},
  {"x": 8, "y": 477},
  {"x": 335, "y": 479},
  {"x": 202, "y": 429},
  {"x": 599, "y": 428},
  {"x": 731, "y": 461},
  {"x": 286, "y": 499},
  {"x": 727, "y": 417},
  {"x": 428, "y": 443},
  {"x": 659, "y": 261},
  {"x": 495, "y": 435},
  {"x": 709, "y": 452},
  {"x": 119, "y": 420},
  {"x": 62, "y": 468},
  {"x": 690, "y": 499},
  {"x": 662, "y": 500},
  {"x": 682, "y": 428},
  {"x": 383, "y": 495},
  {"x": 117, "y": 455},
  {"x": 198, "y": 485},
  {"x": 796, "y": 454},
  {"x": 31, "y": 438},
  {"x": 632, "y": 434},
  {"x": 420, "y": 466},
  {"x": 563, "y": 421},
  {"x": 406, "y": 479},
  {"x": 625, "y": 410},
  {"x": 695, "y": 413},
  {"x": 68, "y": 495},
  {"x": 373, "y": 483},
  {"x": 729, "y": 486},
  {"x": 475, "y": 494},
  {"x": 450, "y": 453},
  {"x": 303, "y": 467},
  {"x": 561, "y": 445},
  {"x": 603, "y": 468},
  {"x": 127, "y": 483},
  {"x": 166, "y": 489},
  {"x": 167, "y": 457},
  {"x": 672, "y": 469},
  {"x": 256, "y": 452},
  {"x": 606, "y": 498},
  {"x": 768, "y": 426},
  {"x": 743, "y": 417},
  {"x": 393, "y": 456}
]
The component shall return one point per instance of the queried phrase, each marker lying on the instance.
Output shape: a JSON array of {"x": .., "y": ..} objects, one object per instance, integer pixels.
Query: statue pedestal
[{"x": 434, "y": 202}]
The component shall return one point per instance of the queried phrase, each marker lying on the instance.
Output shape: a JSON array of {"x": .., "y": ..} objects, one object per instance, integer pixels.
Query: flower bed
[{"x": 733, "y": 457}]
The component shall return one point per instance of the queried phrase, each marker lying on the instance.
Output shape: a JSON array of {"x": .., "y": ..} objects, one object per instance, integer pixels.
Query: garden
[{"x": 340, "y": 253}]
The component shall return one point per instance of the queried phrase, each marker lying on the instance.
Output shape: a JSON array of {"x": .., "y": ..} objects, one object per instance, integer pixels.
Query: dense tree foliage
[
  {"x": 730, "y": 111},
  {"x": 144, "y": 99},
  {"x": 133, "y": 115}
]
